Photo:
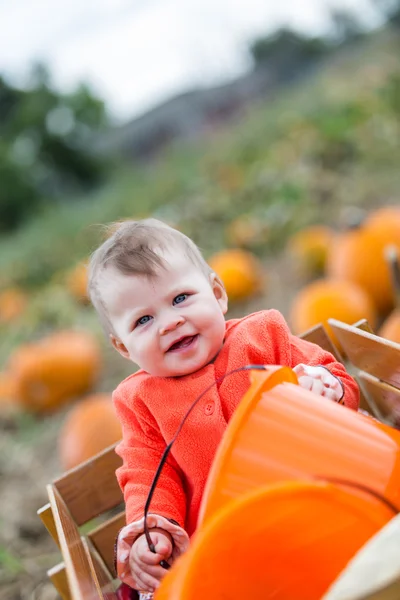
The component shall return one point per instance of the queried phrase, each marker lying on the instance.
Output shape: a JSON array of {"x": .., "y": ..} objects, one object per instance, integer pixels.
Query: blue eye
[
  {"x": 143, "y": 320},
  {"x": 180, "y": 298}
]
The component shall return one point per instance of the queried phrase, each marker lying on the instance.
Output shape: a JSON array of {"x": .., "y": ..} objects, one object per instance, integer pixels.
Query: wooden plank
[
  {"x": 91, "y": 488},
  {"x": 318, "y": 335},
  {"x": 103, "y": 539},
  {"x": 80, "y": 578},
  {"x": 363, "y": 325},
  {"x": 383, "y": 397},
  {"x": 101, "y": 576},
  {"x": 369, "y": 352},
  {"x": 58, "y": 577},
  {"x": 46, "y": 515}
]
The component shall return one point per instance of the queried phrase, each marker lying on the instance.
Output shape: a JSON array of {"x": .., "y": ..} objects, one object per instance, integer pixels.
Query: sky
[{"x": 136, "y": 53}]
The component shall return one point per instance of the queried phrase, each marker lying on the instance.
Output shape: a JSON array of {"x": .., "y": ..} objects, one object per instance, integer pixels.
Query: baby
[{"x": 164, "y": 309}]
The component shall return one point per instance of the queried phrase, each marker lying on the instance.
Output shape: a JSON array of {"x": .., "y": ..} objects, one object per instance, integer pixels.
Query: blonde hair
[{"x": 132, "y": 250}]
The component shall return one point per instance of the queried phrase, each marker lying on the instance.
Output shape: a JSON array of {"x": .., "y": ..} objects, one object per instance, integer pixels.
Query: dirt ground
[{"x": 28, "y": 461}]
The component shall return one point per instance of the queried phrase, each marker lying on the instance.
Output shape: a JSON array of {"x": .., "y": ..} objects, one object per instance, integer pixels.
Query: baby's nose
[{"x": 171, "y": 324}]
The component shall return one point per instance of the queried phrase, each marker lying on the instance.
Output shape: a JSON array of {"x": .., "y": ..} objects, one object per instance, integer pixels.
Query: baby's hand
[
  {"x": 145, "y": 564},
  {"x": 320, "y": 381},
  {"x": 136, "y": 565}
]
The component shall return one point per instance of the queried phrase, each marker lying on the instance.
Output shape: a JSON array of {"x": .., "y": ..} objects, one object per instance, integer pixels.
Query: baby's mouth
[{"x": 184, "y": 342}]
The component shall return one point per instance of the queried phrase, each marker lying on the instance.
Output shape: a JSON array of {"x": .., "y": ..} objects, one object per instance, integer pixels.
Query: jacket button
[{"x": 209, "y": 408}]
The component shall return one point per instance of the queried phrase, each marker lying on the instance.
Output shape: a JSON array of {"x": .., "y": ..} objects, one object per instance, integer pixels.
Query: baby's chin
[{"x": 182, "y": 370}]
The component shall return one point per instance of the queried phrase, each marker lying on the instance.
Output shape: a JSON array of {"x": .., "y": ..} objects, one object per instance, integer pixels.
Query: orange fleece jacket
[{"x": 151, "y": 408}]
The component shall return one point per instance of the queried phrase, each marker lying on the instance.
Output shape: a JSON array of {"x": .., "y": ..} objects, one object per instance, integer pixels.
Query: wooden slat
[
  {"x": 318, "y": 335},
  {"x": 103, "y": 539},
  {"x": 91, "y": 488},
  {"x": 46, "y": 515},
  {"x": 101, "y": 576},
  {"x": 363, "y": 325},
  {"x": 368, "y": 352},
  {"x": 80, "y": 578},
  {"x": 384, "y": 398},
  {"x": 58, "y": 577}
]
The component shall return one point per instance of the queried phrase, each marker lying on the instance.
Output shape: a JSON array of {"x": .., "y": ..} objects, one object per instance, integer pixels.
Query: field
[{"x": 324, "y": 150}]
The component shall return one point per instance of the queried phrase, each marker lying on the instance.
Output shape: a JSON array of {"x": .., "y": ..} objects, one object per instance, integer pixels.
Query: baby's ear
[
  {"x": 219, "y": 292},
  {"x": 119, "y": 346}
]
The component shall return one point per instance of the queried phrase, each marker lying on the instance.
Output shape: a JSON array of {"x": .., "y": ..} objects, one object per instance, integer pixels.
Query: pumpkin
[
  {"x": 90, "y": 427},
  {"x": 390, "y": 328},
  {"x": 357, "y": 255},
  {"x": 50, "y": 372},
  {"x": 76, "y": 281},
  {"x": 309, "y": 248},
  {"x": 12, "y": 304},
  {"x": 240, "y": 271},
  {"x": 385, "y": 222},
  {"x": 324, "y": 299}
]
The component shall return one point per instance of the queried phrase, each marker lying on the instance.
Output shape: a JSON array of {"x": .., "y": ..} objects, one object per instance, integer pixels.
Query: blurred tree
[
  {"x": 390, "y": 9},
  {"x": 18, "y": 196},
  {"x": 285, "y": 44},
  {"x": 47, "y": 144},
  {"x": 346, "y": 26}
]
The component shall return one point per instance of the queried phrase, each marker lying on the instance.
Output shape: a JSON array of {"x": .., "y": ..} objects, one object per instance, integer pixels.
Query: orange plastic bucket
[
  {"x": 287, "y": 541},
  {"x": 288, "y": 433}
]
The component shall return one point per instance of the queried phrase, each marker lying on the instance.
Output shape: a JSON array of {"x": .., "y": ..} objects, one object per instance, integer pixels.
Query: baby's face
[{"x": 169, "y": 325}]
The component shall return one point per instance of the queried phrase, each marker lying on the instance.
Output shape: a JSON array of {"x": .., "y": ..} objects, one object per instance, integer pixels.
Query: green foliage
[
  {"x": 390, "y": 9},
  {"x": 391, "y": 93},
  {"x": 345, "y": 26},
  {"x": 47, "y": 141},
  {"x": 9, "y": 562},
  {"x": 335, "y": 125},
  {"x": 284, "y": 44},
  {"x": 19, "y": 197}
]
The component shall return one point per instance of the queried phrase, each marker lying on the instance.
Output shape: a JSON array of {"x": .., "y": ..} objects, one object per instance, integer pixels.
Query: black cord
[{"x": 167, "y": 450}]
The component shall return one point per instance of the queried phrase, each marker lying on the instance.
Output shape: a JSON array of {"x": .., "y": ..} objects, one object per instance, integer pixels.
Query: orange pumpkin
[
  {"x": 327, "y": 298},
  {"x": 390, "y": 328},
  {"x": 76, "y": 281},
  {"x": 240, "y": 271},
  {"x": 385, "y": 222},
  {"x": 357, "y": 256},
  {"x": 309, "y": 248},
  {"x": 59, "y": 367},
  {"x": 12, "y": 304},
  {"x": 90, "y": 427}
]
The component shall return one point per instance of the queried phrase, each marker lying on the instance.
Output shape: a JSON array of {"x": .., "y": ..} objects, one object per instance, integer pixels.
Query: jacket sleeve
[
  {"x": 141, "y": 449},
  {"x": 292, "y": 350}
]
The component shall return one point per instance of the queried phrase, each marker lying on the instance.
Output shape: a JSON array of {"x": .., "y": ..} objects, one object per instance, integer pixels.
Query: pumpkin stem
[{"x": 392, "y": 259}]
